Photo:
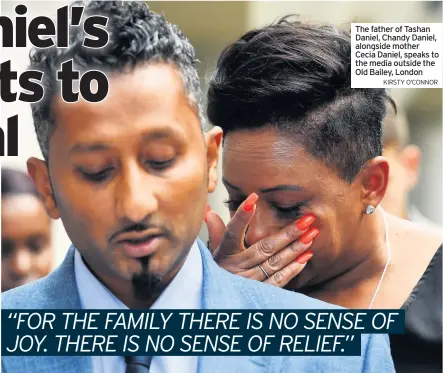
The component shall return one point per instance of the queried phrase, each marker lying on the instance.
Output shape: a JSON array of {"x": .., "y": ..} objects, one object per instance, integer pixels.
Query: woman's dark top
[{"x": 420, "y": 349}]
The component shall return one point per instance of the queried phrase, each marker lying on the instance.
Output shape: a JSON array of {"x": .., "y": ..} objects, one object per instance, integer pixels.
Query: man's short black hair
[
  {"x": 296, "y": 77},
  {"x": 136, "y": 36}
]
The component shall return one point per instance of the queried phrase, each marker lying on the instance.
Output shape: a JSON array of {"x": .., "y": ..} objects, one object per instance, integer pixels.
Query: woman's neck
[{"x": 367, "y": 266}]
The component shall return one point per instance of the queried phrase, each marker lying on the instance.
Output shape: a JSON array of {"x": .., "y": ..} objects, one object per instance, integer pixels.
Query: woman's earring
[{"x": 369, "y": 210}]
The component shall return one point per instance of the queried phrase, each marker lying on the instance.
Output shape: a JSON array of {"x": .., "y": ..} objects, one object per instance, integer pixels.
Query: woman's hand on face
[{"x": 281, "y": 256}]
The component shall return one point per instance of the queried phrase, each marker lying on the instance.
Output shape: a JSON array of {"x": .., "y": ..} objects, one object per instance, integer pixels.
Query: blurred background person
[
  {"x": 404, "y": 162},
  {"x": 26, "y": 231}
]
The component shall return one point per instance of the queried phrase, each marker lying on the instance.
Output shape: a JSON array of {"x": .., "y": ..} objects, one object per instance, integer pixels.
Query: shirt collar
[{"x": 183, "y": 292}]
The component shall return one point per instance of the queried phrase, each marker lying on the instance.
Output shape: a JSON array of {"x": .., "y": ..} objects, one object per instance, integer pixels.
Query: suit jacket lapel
[
  {"x": 59, "y": 290},
  {"x": 66, "y": 286}
]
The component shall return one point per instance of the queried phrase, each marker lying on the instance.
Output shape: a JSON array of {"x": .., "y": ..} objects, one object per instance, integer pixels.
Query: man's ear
[
  {"x": 38, "y": 171},
  {"x": 374, "y": 179},
  {"x": 213, "y": 139},
  {"x": 411, "y": 159}
]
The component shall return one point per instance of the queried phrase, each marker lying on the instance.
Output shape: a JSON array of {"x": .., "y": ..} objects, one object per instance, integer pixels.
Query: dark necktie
[{"x": 138, "y": 364}]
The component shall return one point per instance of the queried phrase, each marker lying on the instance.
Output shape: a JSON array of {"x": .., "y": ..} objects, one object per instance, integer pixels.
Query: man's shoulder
[
  {"x": 266, "y": 296},
  {"x": 375, "y": 348},
  {"x": 226, "y": 290}
]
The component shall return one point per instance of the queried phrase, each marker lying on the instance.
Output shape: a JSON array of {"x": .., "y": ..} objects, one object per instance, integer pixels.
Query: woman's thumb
[{"x": 216, "y": 229}]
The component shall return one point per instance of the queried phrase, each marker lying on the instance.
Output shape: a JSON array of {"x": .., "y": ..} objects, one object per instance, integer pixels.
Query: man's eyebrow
[
  {"x": 278, "y": 188},
  {"x": 152, "y": 135},
  {"x": 164, "y": 133},
  {"x": 87, "y": 148}
]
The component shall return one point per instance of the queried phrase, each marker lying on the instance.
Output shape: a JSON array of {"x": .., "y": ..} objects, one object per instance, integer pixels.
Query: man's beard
[{"x": 145, "y": 285}]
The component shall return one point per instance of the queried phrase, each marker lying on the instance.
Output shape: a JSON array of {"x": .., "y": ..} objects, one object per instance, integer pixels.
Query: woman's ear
[
  {"x": 213, "y": 139},
  {"x": 374, "y": 179}
]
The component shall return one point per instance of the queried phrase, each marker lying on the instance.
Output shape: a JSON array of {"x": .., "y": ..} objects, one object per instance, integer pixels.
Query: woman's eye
[
  {"x": 290, "y": 212},
  {"x": 232, "y": 205}
]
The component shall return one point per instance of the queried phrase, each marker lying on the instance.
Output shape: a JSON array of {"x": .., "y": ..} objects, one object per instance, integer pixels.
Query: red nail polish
[
  {"x": 303, "y": 258},
  {"x": 250, "y": 202},
  {"x": 305, "y": 222},
  {"x": 309, "y": 235},
  {"x": 208, "y": 209}
]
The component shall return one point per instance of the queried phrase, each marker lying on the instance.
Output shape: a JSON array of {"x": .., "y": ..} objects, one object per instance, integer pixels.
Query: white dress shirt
[{"x": 184, "y": 292}]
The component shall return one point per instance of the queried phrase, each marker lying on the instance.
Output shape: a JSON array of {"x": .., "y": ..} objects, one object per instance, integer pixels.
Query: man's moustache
[{"x": 157, "y": 230}]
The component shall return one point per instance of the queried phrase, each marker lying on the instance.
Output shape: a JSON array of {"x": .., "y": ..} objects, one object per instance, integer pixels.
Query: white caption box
[{"x": 397, "y": 55}]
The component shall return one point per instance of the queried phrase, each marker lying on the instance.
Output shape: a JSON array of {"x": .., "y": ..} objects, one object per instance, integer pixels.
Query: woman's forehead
[
  {"x": 263, "y": 144},
  {"x": 266, "y": 158}
]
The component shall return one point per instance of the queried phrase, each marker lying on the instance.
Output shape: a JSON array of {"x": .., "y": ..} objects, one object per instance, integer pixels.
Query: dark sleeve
[{"x": 420, "y": 349}]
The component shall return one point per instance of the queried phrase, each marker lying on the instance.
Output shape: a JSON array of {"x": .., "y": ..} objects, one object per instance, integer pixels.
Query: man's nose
[{"x": 136, "y": 197}]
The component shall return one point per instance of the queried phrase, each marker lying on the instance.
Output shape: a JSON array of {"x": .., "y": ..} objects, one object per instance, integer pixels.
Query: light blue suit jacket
[{"x": 221, "y": 290}]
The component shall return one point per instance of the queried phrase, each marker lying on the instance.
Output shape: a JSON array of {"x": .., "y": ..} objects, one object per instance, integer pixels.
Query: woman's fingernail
[
  {"x": 303, "y": 258},
  {"x": 208, "y": 208},
  {"x": 250, "y": 202},
  {"x": 309, "y": 235},
  {"x": 305, "y": 222}
]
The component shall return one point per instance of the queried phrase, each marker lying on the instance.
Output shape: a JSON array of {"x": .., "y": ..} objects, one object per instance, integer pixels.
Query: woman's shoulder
[
  {"x": 419, "y": 248},
  {"x": 414, "y": 249},
  {"x": 422, "y": 240}
]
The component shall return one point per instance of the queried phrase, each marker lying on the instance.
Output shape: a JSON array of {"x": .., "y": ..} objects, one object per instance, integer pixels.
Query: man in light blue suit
[{"x": 129, "y": 177}]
